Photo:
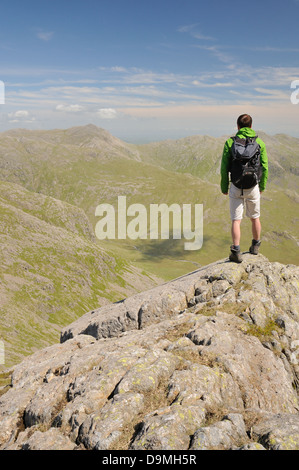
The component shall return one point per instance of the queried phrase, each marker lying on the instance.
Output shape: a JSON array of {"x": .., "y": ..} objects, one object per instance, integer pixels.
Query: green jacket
[{"x": 243, "y": 133}]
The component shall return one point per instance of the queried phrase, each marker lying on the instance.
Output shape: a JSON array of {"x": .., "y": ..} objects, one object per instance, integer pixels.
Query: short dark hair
[{"x": 244, "y": 121}]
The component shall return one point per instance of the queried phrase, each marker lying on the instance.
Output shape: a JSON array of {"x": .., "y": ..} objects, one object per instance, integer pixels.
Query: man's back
[{"x": 226, "y": 159}]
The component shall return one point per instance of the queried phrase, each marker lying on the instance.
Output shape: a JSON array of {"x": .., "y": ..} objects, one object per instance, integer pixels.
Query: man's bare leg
[
  {"x": 256, "y": 229},
  {"x": 236, "y": 232}
]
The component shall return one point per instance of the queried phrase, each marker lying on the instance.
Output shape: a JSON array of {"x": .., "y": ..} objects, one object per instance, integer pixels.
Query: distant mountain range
[{"x": 53, "y": 268}]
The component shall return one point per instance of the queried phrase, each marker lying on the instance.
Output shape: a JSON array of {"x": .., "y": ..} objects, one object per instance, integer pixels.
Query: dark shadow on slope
[{"x": 161, "y": 249}]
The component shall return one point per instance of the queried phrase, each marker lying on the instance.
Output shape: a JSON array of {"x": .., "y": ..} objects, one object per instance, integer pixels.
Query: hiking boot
[
  {"x": 254, "y": 249},
  {"x": 235, "y": 255}
]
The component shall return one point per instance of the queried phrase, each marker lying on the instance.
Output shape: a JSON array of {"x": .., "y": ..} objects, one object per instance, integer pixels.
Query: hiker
[{"x": 245, "y": 159}]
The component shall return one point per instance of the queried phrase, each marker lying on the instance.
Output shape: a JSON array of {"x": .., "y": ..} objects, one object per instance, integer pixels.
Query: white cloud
[
  {"x": 71, "y": 108},
  {"x": 45, "y": 35},
  {"x": 273, "y": 94},
  {"x": 212, "y": 85},
  {"x": 119, "y": 69},
  {"x": 20, "y": 116},
  {"x": 107, "y": 113},
  {"x": 217, "y": 52},
  {"x": 192, "y": 30},
  {"x": 187, "y": 28}
]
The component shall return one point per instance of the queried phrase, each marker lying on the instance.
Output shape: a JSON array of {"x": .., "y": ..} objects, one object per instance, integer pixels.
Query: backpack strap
[{"x": 251, "y": 139}]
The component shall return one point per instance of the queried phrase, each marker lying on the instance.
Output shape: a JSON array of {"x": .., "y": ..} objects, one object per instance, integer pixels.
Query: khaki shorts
[{"x": 250, "y": 199}]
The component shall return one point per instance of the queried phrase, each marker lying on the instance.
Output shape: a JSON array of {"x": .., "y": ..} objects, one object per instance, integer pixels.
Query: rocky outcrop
[{"x": 207, "y": 361}]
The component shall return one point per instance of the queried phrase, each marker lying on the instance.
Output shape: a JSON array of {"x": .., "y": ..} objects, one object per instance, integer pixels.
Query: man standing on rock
[{"x": 245, "y": 159}]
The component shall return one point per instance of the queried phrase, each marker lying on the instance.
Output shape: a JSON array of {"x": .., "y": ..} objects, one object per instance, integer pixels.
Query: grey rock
[
  {"x": 257, "y": 283},
  {"x": 220, "y": 287},
  {"x": 205, "y": 386},
  {"x": 180, "y": 366},
  {"x": 157, "y": 308},
  {"x": 257, "y": 313},
  {"x": 35, "y": 439},
  {"x": 278, "y": 432},
  {"x": 201, "y": 286},
  {"x": 169, "y": 428},
  {"x": 252, "y": 446},
  {"x": 48, "y": 440},
  {"x": 221, "y": 435},
  {"x": 261, "y": 376},
  {"x": 232, "y": 273},
  {"x": 100, "y": 430},
  {"x": 148, "y": 372}
]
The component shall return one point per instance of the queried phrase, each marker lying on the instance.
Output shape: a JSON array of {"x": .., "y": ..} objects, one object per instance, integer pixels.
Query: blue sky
[{"x": 149, "y": 70}]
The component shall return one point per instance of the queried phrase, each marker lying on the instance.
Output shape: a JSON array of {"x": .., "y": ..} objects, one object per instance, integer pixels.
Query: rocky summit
[{"x": 206, "y": 361}]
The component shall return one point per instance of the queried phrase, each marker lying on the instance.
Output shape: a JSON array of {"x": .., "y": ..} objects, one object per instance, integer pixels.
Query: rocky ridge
[{"x": 207, "y": 361}]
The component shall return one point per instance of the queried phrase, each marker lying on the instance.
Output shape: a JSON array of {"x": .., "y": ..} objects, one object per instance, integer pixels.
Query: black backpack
[{"x": 245, "y": 165}]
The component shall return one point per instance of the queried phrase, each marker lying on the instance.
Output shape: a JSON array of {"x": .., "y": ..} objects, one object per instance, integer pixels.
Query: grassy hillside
[{"x": 52, "y": 271}]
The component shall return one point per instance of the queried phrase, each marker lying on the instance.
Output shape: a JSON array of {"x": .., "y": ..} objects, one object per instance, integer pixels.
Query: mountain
[
  {"x": 200, "y": 156},
  {"x": 207, "y": 361},
  {"x": 52, "y": 270}
]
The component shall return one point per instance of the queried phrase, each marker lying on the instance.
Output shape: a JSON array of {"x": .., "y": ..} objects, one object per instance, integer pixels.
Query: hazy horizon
[{"x": 140, "y": 141}]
